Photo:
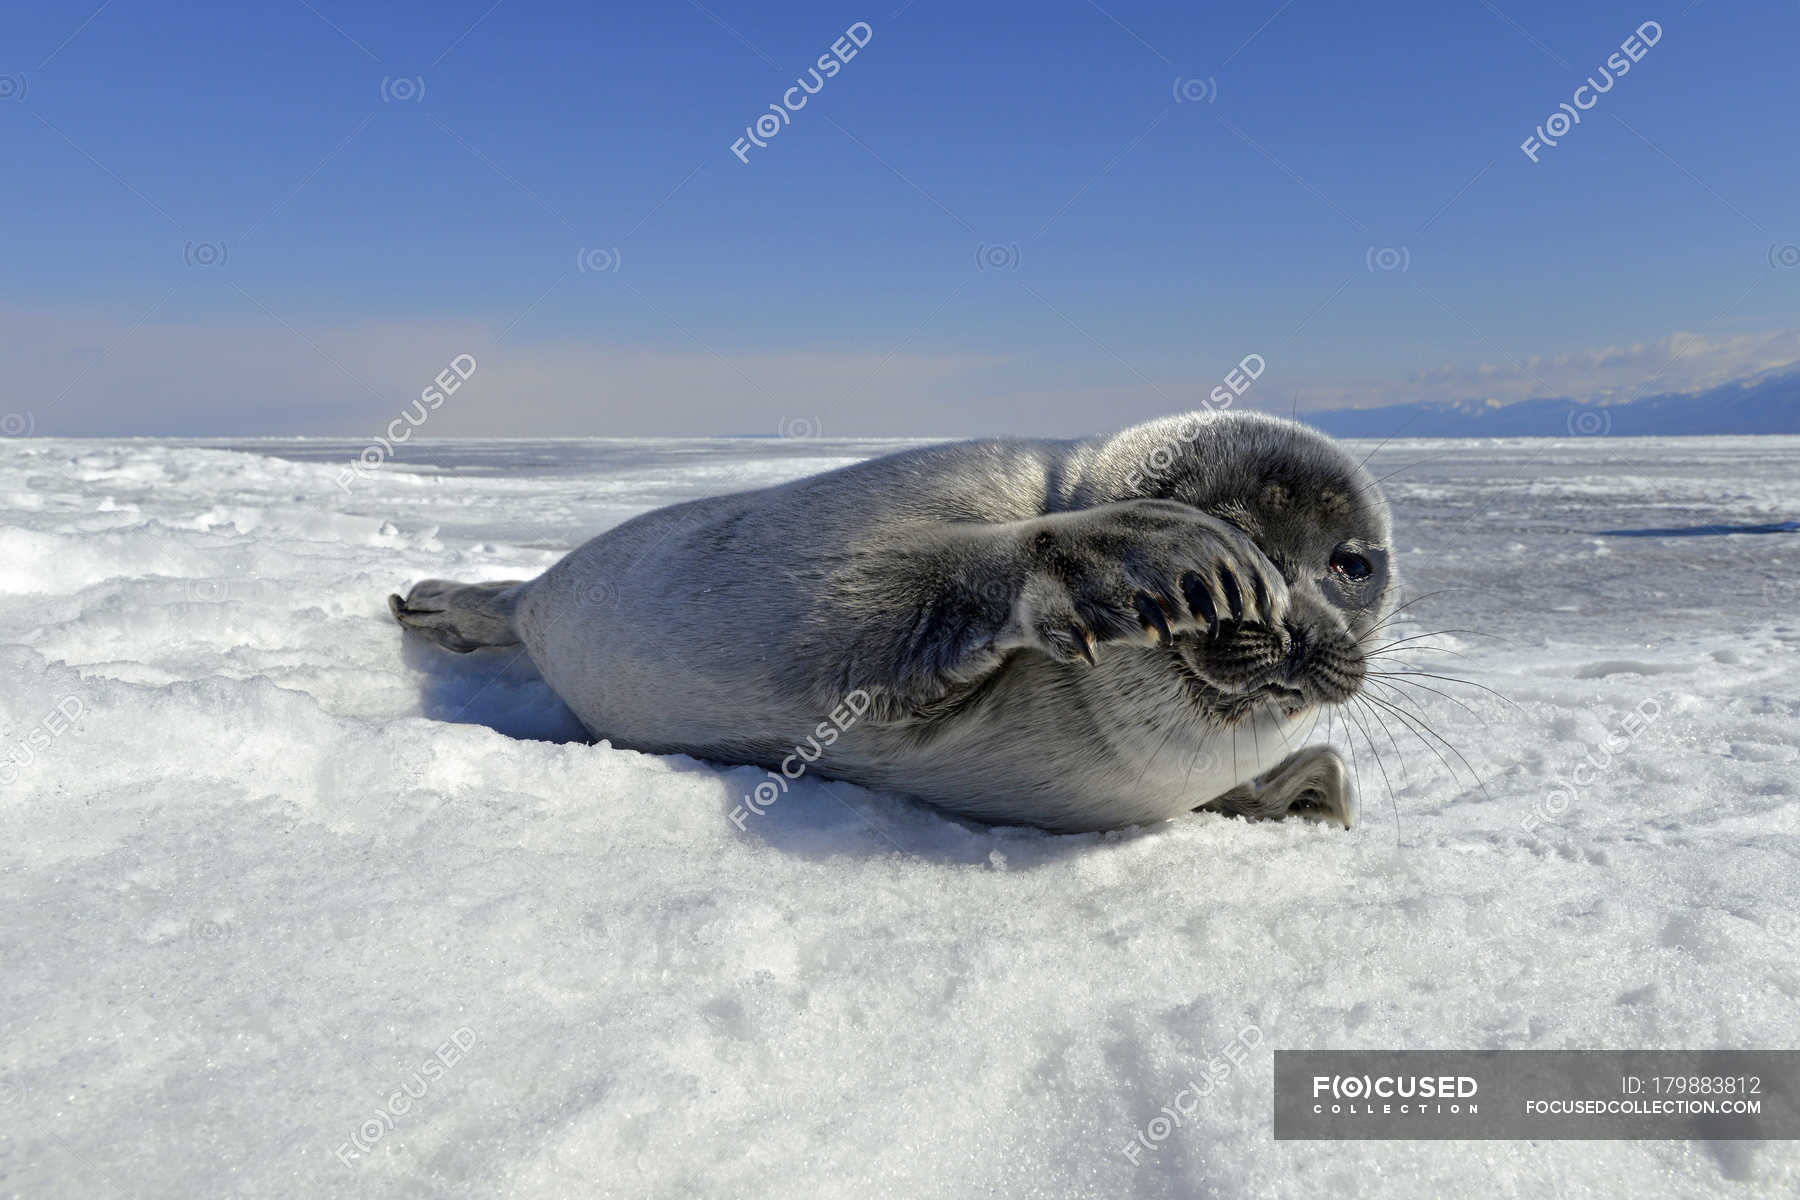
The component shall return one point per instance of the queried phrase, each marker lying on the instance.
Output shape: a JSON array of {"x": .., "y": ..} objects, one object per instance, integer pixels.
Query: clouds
[
  {"x": 81, "y": 375},
  {"x": 84, "y": 376},
  {"x": 1679, "y": 362}
]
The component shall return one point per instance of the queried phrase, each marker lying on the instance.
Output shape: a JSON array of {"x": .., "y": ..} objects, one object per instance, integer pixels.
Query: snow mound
[{"x": 289, "y": 906}]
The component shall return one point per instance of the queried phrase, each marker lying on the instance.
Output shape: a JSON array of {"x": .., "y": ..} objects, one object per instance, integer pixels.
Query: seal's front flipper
[
  {"x": 460, "y": 616},
  {"x": 1312, "y": 784}
]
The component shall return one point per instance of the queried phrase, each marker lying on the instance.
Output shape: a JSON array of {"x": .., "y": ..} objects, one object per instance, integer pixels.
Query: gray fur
[{"x": 962, "y": 589}]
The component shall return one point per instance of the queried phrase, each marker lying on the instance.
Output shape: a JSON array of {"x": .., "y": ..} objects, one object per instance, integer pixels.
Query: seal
[{"x": 1074, "y": 635}]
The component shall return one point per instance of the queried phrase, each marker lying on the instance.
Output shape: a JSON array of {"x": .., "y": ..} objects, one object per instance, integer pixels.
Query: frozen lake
[{"x": 268, "y": 874}]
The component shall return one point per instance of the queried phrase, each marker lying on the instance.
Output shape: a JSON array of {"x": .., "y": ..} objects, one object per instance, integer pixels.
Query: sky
[{"x": 1054, "y": 218}]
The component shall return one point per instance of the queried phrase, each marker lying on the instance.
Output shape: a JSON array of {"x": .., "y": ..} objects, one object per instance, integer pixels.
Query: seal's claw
[
  {"x": 1200, "y": 601},
  {"x": 1156, "y": 622},
  {"x": 1234, "y": 598}
]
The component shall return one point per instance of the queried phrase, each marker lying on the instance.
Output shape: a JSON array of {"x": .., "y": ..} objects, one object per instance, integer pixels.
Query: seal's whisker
[
  {"x": 1384, "y": 441},
  {"x": 1414, "y": 638},
  {"x": 1405, "y": 770},
  {"x": 1386, "y": 651},
  {"x": 1408, "y": 604},
  {"x": 1389, "y": 682},
  {"x": 1350, "y": 715},
  {"x": 1451, "y": 771},
  {"x": 1415, "y": 721},
  {"x": 1446, "y": 679}
]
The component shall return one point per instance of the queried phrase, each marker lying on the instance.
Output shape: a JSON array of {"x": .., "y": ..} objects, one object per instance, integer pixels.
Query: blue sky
[{"x": 1343, "y": 192}]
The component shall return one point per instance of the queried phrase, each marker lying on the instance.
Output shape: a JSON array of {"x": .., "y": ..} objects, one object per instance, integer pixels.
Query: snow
[{"x": 289, "y": 907}]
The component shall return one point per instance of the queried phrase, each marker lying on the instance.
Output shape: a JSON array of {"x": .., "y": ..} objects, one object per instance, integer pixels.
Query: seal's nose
[{"x": 1294, "y": 665}]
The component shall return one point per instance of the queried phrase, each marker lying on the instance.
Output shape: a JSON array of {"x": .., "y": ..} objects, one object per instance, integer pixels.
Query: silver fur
[{"x": 962, "y": 589}]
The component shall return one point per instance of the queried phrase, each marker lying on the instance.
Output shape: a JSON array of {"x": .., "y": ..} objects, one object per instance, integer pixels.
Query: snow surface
[{"x": 282, "y": 858}]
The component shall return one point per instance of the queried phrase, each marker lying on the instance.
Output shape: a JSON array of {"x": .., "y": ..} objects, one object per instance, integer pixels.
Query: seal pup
[{"x": 1075, "y": 635}]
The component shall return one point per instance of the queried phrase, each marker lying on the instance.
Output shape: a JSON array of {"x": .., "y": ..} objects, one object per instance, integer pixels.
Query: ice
[{"x": 263, "y": 863}]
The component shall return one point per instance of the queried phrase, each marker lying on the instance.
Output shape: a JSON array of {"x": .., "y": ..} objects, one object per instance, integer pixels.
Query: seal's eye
[{"x": 1351, "y": 565}]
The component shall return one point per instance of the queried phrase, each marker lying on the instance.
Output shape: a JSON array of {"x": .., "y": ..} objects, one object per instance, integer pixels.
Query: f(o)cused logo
[
  {"x": 601, "y": 260},
  {"x": 204, "y": 254},
  {"x": 799, "y": 427},
  {"x": 1188, "y": 91},
  {"x": 12, "y": 87},
  {"x": 997, "y": 257},
  {"x": 404, "y": 88},
  {"x": 18, "y": 424},
  {"x": 209, "y": 931},
  {"x": 1388, "y": 258},
  {"x": 1784, "y": 257},
  {"x": 1589, "y": 422}
]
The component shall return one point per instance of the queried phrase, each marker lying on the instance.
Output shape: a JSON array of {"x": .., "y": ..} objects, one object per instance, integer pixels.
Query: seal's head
[{"x": 1320, "y": 519}]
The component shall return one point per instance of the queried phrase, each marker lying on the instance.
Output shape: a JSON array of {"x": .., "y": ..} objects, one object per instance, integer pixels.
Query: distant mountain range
[{"x": 1766, "y": 403}]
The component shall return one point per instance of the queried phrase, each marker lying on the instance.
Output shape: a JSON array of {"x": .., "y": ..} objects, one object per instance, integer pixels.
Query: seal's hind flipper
[{"x": 460, "y": 616}]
